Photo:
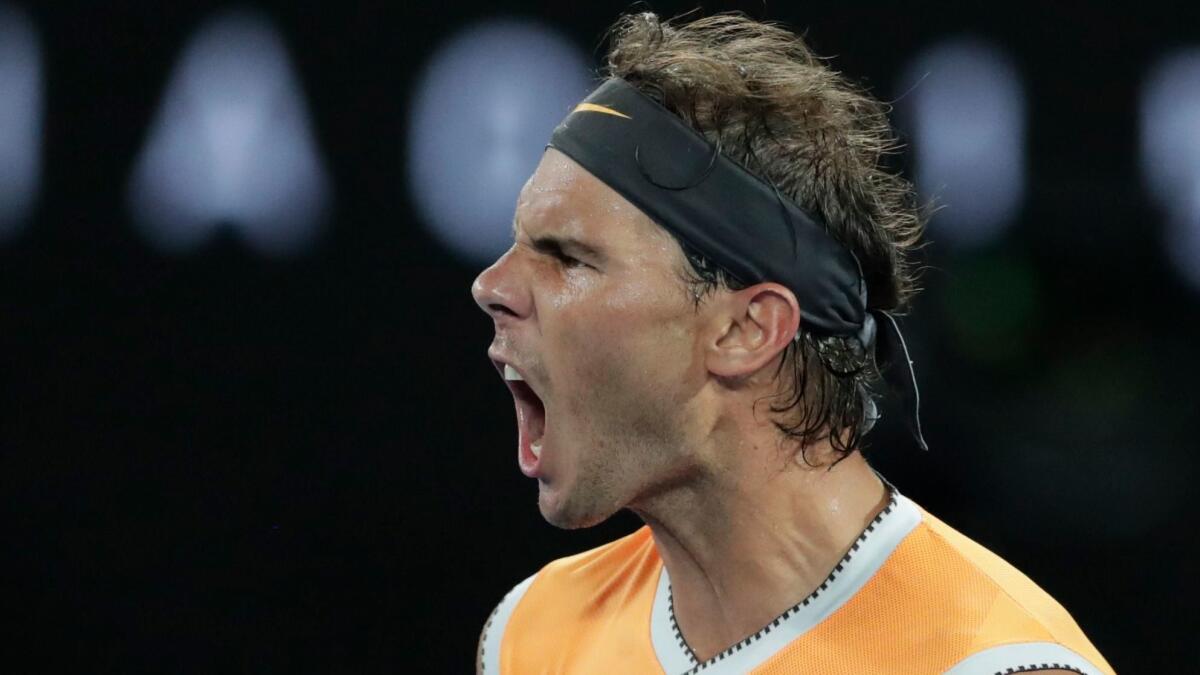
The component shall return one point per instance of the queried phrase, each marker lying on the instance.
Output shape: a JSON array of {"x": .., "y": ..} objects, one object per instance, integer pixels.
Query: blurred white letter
[
  {"x": 20, "y": 118},
  {"x": 231, "y": 145},
  {"x": 1170, "y": 136},
  {"x": 481, "y": 117},
  {"x": 965, "y": 107}
]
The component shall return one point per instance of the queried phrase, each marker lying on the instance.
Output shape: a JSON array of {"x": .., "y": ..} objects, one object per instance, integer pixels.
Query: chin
[{"x": 570, "y": 514}]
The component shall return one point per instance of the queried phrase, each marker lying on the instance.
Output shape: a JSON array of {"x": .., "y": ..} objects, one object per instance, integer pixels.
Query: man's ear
[{"x": 754, "y": 325}]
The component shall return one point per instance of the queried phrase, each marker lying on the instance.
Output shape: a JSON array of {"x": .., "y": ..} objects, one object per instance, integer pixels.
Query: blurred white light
[
  {"x": 1170, "y": 128},
  {"x": 1170, "y": 139},
  {"x": 1183, "y": 235},
  {"x": 231, "y": 146},
  {"x": 482, "y": 114},
  {"x": 20, "y": 118},
  {"x": 965, "y": 107}
]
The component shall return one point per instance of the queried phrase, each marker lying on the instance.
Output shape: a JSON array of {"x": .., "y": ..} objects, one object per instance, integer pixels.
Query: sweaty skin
[{"x": 661, "y": 407}]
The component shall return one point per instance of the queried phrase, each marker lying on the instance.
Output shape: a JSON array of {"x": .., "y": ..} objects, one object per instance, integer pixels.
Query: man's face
[{"x": 589, "y": 308}]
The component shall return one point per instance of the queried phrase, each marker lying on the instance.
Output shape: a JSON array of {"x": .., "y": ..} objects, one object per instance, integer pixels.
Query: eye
[
  {"x": 552, "y": 248},
  {"x": 569, "y": 261}
]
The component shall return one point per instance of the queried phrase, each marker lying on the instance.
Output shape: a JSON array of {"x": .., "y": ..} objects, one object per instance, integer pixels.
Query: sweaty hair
[{"x": 774, "y": 106}]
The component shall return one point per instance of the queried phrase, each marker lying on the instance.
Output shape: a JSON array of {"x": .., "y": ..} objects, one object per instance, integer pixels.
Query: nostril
[{"x": 501, "y": 309}]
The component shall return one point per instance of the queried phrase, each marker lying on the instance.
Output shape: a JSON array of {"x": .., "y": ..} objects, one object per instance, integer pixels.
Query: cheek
[
  {"x": 623, "y": 353},
  {"x": 593, "y": 348}
]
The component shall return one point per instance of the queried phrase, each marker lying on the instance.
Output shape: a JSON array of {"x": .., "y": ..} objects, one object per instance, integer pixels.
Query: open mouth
[{"x": 531, "y": 422}]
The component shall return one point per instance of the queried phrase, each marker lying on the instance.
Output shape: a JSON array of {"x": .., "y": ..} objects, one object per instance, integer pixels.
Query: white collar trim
[{"x": 860, "y": 563}]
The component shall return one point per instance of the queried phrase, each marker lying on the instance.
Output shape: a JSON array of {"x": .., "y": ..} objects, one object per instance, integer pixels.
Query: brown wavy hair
[{"x": 777, "y": 108}]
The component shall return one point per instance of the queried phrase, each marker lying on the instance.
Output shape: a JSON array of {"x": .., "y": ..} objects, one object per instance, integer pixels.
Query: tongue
[{"x": 531, "y": 426}]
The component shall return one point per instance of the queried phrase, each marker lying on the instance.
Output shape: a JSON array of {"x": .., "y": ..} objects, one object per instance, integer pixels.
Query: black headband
[
  {"x": 708, "y": 200},
  {"x": 740, "y": 222}
]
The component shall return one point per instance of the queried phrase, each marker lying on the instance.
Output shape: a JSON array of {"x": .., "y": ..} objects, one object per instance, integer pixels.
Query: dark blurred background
[{"x": 248, "y": 421}]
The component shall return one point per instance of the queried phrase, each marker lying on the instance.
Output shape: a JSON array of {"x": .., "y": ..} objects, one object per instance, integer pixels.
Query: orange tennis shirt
[{"x": 912, "y": 595}]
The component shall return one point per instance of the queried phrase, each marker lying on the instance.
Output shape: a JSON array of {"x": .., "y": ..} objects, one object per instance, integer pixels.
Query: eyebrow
[{"x": 554, "y": 244}]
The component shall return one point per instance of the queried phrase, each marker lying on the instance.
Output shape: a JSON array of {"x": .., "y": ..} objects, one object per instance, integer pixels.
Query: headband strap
[{"x": 740, "y": 222}]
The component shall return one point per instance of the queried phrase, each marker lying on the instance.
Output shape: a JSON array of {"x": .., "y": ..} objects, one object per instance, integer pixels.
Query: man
[{"x": 692, "y": 319}]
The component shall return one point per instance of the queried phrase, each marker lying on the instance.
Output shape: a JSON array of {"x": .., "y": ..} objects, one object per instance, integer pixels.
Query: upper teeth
[{"x": 511, "y": 373}]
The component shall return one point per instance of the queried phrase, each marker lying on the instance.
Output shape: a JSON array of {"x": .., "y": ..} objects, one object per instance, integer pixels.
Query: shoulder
[
  {"x": 565, "y": 590},
  {"x": 1015, "y": 602},
  {"x": 1012, "y": 622}
]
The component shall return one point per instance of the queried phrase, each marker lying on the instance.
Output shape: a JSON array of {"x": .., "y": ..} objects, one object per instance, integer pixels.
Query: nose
[{"x": 501, "y": 291}]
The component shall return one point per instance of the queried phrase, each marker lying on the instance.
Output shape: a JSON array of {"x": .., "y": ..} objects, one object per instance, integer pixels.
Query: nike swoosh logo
[{"x": 592, "y": 107}]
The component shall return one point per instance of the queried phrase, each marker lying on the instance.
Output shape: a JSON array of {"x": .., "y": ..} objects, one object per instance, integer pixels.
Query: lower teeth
[{"x": 537, "y": 449}]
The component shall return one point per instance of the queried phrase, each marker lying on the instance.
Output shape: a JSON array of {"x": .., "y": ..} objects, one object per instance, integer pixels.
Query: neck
[{"x": 744, "y": 543}]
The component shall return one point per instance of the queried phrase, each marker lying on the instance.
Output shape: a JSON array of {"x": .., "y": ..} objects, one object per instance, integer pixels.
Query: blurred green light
[{"x": 992, "y": 306}]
